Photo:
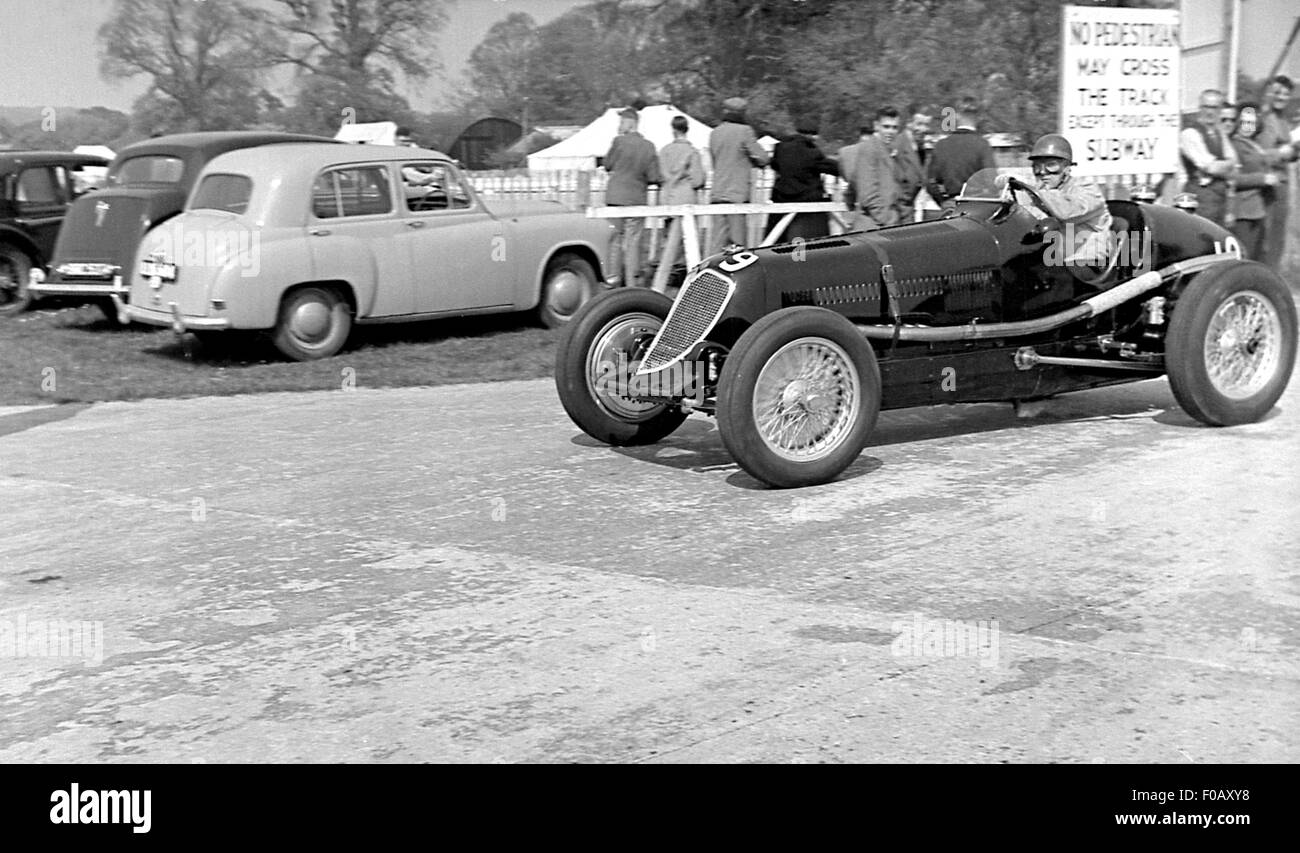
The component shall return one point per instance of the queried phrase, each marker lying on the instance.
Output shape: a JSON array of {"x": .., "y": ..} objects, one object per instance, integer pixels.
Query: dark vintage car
[
  {"x": 796, "y": 348},
  {"x": 36, "y": 188},
  {"x": 147, "y": 183}
]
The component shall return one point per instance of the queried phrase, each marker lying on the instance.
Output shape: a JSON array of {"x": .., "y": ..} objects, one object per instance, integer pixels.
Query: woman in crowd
[
  {"x": 1253, "y": 188},
  {"x": 799, "y": 165}
]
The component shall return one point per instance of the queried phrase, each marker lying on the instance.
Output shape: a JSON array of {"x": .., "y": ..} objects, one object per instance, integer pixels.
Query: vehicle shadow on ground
[
  {"x": 697, "y": 446},
  {"x": 15, "y": 422}
]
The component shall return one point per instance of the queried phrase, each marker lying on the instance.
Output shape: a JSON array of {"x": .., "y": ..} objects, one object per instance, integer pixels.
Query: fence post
[{"x": 584, "y": 188}]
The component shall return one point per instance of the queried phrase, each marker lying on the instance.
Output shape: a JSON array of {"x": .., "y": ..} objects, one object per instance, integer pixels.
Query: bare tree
[
  {"x": 203, "y": 61},
  {"x": 348, "y": 53}
]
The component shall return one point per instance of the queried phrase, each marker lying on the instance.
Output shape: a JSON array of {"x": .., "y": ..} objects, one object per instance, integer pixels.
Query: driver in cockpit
[{"x": 1081, "y": 209}]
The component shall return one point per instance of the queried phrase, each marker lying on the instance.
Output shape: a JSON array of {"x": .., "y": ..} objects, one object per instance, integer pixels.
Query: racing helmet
[{"x": 1052, "y": 145}]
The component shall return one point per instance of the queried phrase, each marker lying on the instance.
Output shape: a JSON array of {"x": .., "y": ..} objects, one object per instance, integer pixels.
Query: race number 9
[{"x": 738, "y": 261}]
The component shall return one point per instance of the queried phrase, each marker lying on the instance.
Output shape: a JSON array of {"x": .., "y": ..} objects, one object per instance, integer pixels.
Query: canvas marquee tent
[{"x": 580, "y": 151}]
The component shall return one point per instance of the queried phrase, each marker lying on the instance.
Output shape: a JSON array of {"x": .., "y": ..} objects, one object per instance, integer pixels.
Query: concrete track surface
[{"x": 458, "y": 574}]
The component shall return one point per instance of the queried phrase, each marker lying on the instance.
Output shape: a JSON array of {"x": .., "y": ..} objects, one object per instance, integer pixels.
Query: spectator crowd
[{"x": 1236, "y": 157}]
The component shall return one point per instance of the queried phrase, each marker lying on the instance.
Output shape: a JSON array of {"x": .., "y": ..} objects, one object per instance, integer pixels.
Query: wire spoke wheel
[
  {"x": 597, "y": 357},
  {"x": 1243, "y": 343},
  {"x": 1231, "y": 343},
  {"x": 798, "y": 397},
  {"x": 806, "y": 399},
  {"x": 614, "y": 358}
]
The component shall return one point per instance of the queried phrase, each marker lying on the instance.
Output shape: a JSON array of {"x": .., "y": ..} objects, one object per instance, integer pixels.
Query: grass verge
[{"x": 75, "y": 355}]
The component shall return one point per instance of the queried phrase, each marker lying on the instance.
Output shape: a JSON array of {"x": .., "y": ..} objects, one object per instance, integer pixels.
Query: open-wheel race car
[{"x": 797, "y": 347}]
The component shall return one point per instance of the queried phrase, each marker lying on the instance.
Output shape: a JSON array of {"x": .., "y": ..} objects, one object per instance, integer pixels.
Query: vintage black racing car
[{"x": 796, "y": 347}]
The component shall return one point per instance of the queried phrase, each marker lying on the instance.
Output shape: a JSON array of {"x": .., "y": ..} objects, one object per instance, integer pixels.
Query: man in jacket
[
  {"x": 875, "y": 174},
  {"x": 632, "y": 165},
  {"x": 1208, "y": 156},
  {"x": 683, "y": 174},
  {"x": 956, "y": 157},
  {"x": 735, "y": 152}
]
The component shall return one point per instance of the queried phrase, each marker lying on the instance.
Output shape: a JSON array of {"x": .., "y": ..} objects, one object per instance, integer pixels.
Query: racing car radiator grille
[{"x": 703, "y": 299}]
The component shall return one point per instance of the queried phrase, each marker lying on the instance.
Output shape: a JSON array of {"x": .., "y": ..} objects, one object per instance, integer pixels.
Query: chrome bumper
[
  {"x": 171, "y": 316},
  {"x": 78, "y": 288}
]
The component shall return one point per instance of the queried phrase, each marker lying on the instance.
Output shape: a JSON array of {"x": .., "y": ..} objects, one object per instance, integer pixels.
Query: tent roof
[{"x": 581, "y": 149}]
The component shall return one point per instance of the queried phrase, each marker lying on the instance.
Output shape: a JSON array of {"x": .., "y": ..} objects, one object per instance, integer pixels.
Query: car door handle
[
  {"x": 320, "y": 232},
  {"x": 415, "y": 223}
]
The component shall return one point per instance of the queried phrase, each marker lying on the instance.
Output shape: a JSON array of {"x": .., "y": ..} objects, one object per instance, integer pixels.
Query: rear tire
[
  {"x": 15, "y": 275},
  {"x": 314, "y": 323},
  {"x": 598, "y": 351},
  {"x": 798, "y": 397},
  {"x": 1231, "y": 345},
  {"x": 568, "y": 284}
]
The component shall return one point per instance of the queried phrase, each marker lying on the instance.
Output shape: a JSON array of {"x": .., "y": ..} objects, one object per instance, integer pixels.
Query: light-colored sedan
[{"x": 306, "y": 240}]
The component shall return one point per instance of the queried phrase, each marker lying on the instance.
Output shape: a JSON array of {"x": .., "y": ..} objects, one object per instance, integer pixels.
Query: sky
[{"x": 50, "y": 54}]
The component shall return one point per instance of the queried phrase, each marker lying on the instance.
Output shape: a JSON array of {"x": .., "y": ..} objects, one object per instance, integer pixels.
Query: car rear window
[
  {"x": 149, "y": 169},
  {"x": 223, "y": 192}
]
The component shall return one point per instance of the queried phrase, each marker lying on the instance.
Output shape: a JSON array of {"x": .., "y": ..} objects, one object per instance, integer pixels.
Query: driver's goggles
[{"x": 1047, "y": 167}]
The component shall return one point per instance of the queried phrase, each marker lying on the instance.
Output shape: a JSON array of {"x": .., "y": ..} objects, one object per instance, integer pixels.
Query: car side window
[
  {"x": 359, "y": 191},
  {"x": 433, "y": 185},
  {"x": 82, "y": 179},
  {"x": 39, "y": 187}
]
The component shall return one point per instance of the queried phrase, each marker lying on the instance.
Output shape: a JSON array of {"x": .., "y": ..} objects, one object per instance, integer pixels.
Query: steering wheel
[{"x": 1014, "y": 183}]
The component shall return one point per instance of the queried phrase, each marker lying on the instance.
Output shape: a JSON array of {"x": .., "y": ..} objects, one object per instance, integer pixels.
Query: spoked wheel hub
[
  {"x": 1243, "y": 344},
  {"x": 806, "y": 399}
]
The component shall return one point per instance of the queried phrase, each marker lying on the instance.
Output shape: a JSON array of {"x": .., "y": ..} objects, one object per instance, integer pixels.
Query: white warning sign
[{"x": 1120, "y": 84}]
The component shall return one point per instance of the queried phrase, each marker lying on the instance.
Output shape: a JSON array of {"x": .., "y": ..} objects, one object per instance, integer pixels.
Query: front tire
[
  {"x": 15, "y": 275},
  {"x": 568, "y": 284},
  {"x": 1231, "y": 344},
  {"x": 598, "y": 353},
  {"x": 314, "y": 323},
  {"x": 798, "y": 397}
]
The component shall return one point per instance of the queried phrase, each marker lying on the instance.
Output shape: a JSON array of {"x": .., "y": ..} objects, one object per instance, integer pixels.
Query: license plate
[{"x": 152, "y": 269}]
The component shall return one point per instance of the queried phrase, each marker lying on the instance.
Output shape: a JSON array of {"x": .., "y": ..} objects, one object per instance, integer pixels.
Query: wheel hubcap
[
  {"x": 806, "y": 399},
  {"x": 1243, "y": 345},
  {"x": 566, "y": 293},
  {"x": 310, "y": 321},
  {"x": 614, "y": 358}
]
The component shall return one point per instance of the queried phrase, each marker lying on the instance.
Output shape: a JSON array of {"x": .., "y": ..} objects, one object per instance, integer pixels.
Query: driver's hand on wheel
[{"x": 1007, "y": 184}]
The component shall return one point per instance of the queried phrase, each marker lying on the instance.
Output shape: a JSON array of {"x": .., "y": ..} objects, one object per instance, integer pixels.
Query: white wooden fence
[{"x": 582, "y": 189}]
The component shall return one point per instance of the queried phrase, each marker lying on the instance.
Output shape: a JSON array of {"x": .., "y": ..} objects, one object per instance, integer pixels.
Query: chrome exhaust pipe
[{"x": 1090, "y": 307}]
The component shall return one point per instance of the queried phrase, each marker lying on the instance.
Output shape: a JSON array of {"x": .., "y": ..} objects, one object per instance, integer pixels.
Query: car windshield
[
  {"x": 223, "y": 192},
  {"x": 149, "y": 169},
  {"x": 982, "y": 186}
]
